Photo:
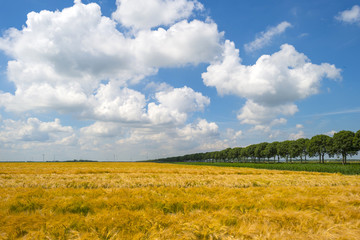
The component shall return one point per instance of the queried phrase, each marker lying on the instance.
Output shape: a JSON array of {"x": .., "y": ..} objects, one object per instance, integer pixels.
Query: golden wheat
[{"x": 164, "y": 201}]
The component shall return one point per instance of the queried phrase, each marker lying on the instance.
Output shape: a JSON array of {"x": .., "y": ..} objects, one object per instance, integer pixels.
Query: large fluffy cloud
[
  {"x": 202, "y": 128},
  {"x": 271, "y": 85},
  {"x": 198, "y": 136},
  {"x": 174, "y": 105},
  {"x": 183, "y": 43},
  {"x": 145, "y": 14},
  {"x": 111, "y": 103},
  {"x": 33, "y": 130},
  {"x": 75, "y": 44},
  {"x": 257, "y": 114},
  {"x": 61, "y": 58}
]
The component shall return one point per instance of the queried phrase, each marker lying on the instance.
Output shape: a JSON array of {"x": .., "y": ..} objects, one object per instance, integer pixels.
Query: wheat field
[{"x": 166, "y": 201}]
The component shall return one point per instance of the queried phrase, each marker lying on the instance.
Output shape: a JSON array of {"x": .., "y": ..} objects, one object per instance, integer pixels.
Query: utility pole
[{"x": 43, "y": 157}]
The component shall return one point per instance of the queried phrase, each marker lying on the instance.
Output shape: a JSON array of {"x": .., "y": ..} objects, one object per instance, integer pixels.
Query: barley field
[{"x": 166, "y": 201}]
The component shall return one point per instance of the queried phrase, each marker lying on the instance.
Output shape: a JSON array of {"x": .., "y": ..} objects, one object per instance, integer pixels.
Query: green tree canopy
[
  {"x": 283, "y": 149},
  {"x": 295, "y": 149},
  {"x": 302, "y": 143},
  {"x": 343, "y": 144},
  {"x": 271, "y": 150},
  {"x": 260, "y": 150},
  {"x": 318, "y": 146},
  {"x": 356, "y": 141}
]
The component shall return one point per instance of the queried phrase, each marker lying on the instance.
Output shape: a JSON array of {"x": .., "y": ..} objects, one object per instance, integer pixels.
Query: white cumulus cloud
[
  {"x": 111, "y": 103},
  {"x": 33, "y": 130},
  {"x": 101, "y": 129},
  {"x": 60, "y": 59},
  {"x": 200, "y": 135},
  {"x": 295, "y": 136},
  {"x": 202, "y": 128},
  {"x": 331, "y": 133},
  {"x": 257, "y": 114},
  {"x": 175, "y": 104},
  {"x": 145, "y": 14},
  {"x": 350, "y": 16},
  {"x": 271, "y": 85},
  {"x": 265, "y": 37},
  {"x": 183, "y": 43}
]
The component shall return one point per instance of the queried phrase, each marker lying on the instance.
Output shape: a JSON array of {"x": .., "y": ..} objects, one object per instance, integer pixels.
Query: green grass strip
[{"x": 348, "y": 169}]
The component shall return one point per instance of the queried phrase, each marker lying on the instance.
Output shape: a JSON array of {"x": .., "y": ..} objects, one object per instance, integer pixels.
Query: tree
[
  {"x": 302, "y": 143},
  {"x": 330, "y": 148},
  {"x": 283, "y": 149},
  {"x": 251, "y": 151},
  {"x": 271, "y": 150},
  {"x": 216, "y": 156},
  {"x": 356, "y": 141},
  {"x": 343, "y": 144},
  {"x": 237, "y": 153},
  {"x": 318, "y": 146},
  {"x": 295, "y": 149},
  {"x": 233, "y": 154},
  {"x": 244, "y": 154},
  {"x": 225, "y": 154},
  {"x": 259, "y": 150}
]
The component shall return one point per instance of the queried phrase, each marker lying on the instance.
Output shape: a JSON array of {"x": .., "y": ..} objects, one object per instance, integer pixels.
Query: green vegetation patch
[{"x": 348, "y": 169}]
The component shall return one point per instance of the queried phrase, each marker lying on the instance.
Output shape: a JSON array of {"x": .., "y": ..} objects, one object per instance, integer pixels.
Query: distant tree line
[{"x": 342, "y": 144}]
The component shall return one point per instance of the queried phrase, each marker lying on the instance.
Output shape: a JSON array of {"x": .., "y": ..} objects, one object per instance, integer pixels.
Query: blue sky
[{"x": 142, "y": 79}]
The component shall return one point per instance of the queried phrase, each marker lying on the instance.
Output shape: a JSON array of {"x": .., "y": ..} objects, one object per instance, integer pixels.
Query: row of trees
[{"x": 343, "y": 143}]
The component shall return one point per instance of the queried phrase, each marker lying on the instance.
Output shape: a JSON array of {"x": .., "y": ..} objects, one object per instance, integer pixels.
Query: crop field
[
  {"x": 170, "y": 201},
  {"x": 348, "y": 169}
]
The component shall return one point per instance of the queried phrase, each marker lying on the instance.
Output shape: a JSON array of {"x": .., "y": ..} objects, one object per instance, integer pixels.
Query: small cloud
[
  {"x": 158, "y": 86},
  {"x": 331, "y": 133},
  {"x": 303, "y": 35},
  {"x": 299, "y": 126},
  {"x": 261, "y": 128},
  {"x": 295, "y": 136},
  {"x": 342, "y": 112},
  {"x": 274, "y": 134},
  {"x": 294, "y": 11},
  {"x": 279, "y": 121},
  {"x": 233, "y": 135},
  {"x": 265, "y": 37},
  {"x": 350, "y": 16}
]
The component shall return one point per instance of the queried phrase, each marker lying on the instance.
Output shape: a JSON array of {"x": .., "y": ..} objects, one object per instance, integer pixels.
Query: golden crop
[{"x": 165, "y": 201}]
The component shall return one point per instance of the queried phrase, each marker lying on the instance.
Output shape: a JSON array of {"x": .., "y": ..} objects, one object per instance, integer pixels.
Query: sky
[{"x": 130, "y": 80}]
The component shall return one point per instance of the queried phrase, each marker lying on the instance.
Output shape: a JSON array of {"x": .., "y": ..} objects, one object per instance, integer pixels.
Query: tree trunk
[{"x": 345, "y": 159}]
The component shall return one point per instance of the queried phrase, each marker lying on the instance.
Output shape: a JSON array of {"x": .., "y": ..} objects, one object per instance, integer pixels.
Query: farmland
[
  {"x": 169, "y": 201},
  {"x": 349, "y": 169}
]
